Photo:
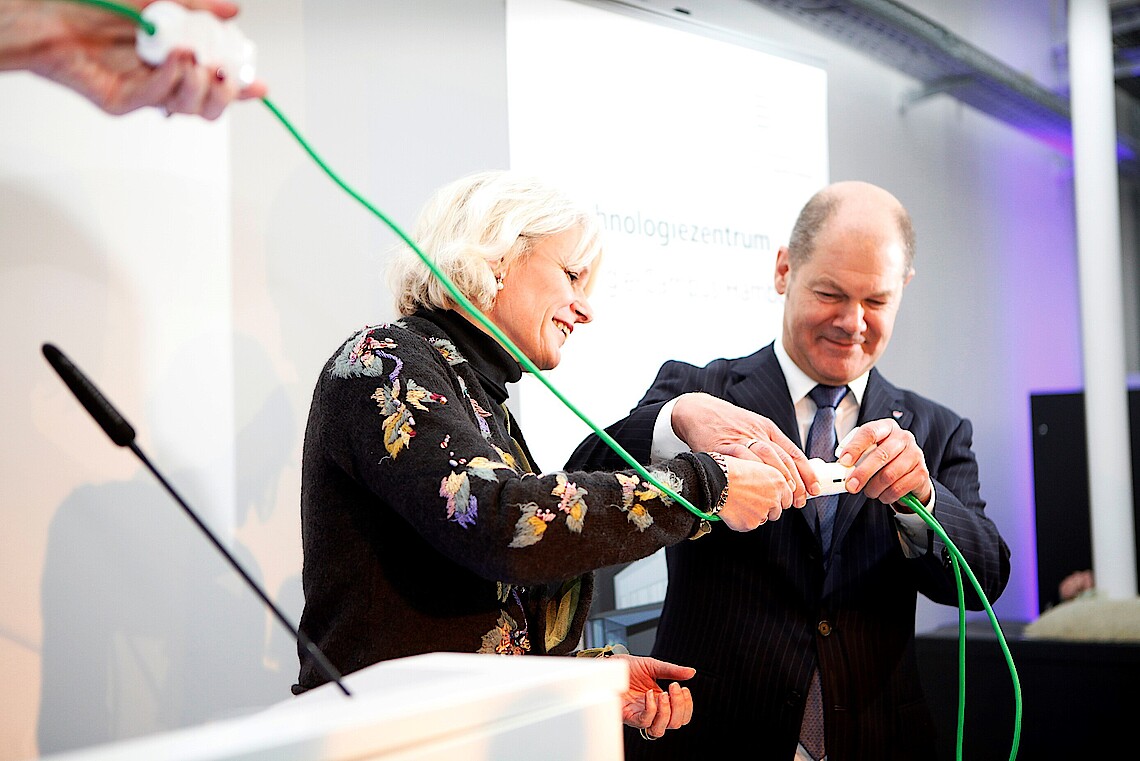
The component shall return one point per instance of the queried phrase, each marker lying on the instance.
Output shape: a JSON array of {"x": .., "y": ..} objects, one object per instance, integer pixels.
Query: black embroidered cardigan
[{"x": 422, "y": 529}]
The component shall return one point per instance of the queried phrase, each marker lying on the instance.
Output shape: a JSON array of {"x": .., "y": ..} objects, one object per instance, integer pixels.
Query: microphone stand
[{"x": 122, "y": 434}]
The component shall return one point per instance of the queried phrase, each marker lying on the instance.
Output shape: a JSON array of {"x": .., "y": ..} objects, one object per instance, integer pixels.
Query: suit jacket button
[{"x": 824, "y": 628}]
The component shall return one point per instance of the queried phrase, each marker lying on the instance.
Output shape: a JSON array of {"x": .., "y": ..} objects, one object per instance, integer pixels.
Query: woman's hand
[
  {"x": 646, "y": 706},
  {"x": 757, "y": 493},
  {"x": 710, "y": 424},
  {"x": 92, "y": 51}
]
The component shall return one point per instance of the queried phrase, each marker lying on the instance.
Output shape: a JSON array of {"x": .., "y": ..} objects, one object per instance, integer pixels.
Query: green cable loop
[
  {"x": 959, "y": 562},
  {"x": 912, "y": 502},
  {"x": 909, "y": 500}
]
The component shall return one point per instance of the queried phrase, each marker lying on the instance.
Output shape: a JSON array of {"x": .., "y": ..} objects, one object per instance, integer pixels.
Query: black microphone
[
  {"x": 105, "y": 415},
  {"x": 123, "y": 435}
]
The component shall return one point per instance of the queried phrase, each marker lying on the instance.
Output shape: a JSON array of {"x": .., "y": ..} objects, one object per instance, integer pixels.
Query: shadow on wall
[
  {"x": 267, "y": 456},
  {"x": 147, "y": 627}
]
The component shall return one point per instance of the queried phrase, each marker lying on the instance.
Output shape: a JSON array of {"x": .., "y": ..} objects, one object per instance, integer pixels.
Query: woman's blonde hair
[{"x": 476, "y": 227}]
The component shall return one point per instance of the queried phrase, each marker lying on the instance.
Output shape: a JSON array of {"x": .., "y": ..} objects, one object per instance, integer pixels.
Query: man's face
[{"x": 840, "y": 304}]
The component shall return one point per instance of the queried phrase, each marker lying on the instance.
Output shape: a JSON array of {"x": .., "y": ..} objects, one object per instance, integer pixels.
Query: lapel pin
[{"x": 896, "y": 414}]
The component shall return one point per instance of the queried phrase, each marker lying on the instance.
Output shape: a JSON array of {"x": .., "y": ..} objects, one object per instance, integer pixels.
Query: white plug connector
[
  {"x": 832, "y": 476},
  {"x": 215, "y": 42}
]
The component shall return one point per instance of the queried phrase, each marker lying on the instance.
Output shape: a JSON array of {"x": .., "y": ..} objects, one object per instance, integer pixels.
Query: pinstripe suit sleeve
[{"x": 635, "y": 432}]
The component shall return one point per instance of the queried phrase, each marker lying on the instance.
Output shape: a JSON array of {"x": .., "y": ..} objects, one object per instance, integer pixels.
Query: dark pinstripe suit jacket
[{"x": 756, "y": 612}]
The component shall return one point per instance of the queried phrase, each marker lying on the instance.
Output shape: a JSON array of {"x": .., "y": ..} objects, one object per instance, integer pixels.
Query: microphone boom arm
[{"x": 121, "y": 432}]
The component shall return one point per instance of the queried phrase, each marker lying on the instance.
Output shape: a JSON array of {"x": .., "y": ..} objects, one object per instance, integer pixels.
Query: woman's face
[{"x": 543, "y": 299}]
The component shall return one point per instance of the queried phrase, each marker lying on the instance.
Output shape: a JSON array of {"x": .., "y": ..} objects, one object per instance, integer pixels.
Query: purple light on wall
[
  {"x": 1062, "y": 142},
  {"x": 1035, "y": 341}
]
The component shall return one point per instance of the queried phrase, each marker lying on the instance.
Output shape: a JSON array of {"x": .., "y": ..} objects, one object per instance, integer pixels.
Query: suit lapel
[
  {"x": 883, "y": 400},
  {"x": 758, "y": 384}
]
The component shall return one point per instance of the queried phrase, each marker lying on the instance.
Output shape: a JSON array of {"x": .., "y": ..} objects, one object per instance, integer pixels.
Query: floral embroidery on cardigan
[
  {"x": 417, "y": 394},
  {"x": 636, "y": 512},
  {"x": 399, "y": 424},
  {"x": 560, "y": 612},
  {"x": 531, "y": 525},
  {"x": 666, "y": 477},
  {"x": 480, "y": 415},
  {"x": 572, "y": 502},
  {"x": 509, "y": 459},
  {"x": 462, "y": 507},
  {"x": 634, "y": 499},
  {"x": 447, "y": 350},
  {"x": 628, "y": 486},
  {"x": 484, "y": 468},
  {"x": 506, "y": 638},
  {"x": 362, "y": 356}
]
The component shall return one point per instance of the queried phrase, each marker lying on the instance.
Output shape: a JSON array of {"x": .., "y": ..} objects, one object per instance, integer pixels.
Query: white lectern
[{"x": 428, "y": 707}]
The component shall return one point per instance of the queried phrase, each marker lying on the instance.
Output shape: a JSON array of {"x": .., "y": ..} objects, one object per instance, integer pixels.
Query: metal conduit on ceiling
[{"x": 945, "y": 63}]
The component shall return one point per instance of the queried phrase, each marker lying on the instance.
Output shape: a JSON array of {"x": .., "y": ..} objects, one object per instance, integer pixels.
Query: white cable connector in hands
[
  {"x": 832, "y": 476},
  {"x": 215, "y": 42}
]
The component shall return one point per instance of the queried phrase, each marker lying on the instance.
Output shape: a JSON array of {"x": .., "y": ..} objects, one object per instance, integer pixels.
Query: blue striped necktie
[{"x": 821, "y": 444}]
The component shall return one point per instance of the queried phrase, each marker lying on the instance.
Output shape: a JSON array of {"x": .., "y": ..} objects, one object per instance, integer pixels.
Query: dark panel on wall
[
  {"x": 1061, "y": 487},
  {"x": 1077, "y": 697}
]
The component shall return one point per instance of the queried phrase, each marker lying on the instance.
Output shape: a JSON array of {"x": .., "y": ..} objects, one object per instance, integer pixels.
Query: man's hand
[
  {"x": 888, "y": 463},
  {"x": 709, "y": 424}
]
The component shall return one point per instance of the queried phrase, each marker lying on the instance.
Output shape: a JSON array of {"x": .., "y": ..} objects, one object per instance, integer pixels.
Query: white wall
[
  {"x": 201, "y": 274},
  {"x": 116, "y": 248}
]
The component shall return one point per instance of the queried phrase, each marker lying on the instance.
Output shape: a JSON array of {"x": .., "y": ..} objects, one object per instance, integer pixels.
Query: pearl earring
[{"x": 499, "y": 282}]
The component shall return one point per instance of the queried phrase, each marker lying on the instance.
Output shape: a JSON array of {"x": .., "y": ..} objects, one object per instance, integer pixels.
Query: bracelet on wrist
[{"x": 718, "y": 458}]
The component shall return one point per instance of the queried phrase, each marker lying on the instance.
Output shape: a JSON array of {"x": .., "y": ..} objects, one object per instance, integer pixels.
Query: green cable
[
  {"x": 960, "y": 562},
  {"x": 122, "y": 10},
  {"x": 961, "y": 661},
  {"x": 909, "y": 500}
]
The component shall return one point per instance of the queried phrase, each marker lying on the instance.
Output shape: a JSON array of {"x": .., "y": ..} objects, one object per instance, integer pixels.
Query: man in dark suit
[{"x": 811, "y": 617}]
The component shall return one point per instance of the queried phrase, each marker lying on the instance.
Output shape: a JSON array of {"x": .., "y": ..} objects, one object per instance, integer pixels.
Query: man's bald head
[{"x": 856, "y": 205}]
